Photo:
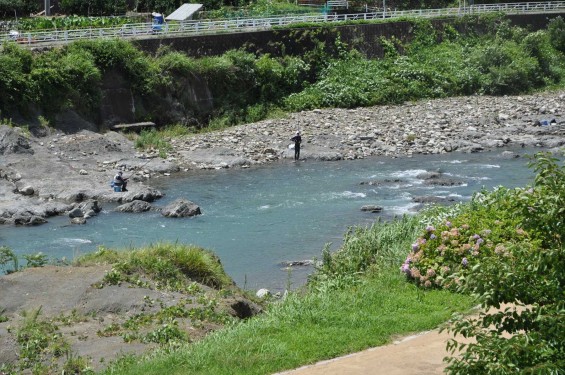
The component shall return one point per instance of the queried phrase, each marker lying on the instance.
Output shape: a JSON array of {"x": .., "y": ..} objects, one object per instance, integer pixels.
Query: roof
[{"x": 185, "y": 11}]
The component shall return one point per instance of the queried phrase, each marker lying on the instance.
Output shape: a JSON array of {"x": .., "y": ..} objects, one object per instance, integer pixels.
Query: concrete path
[{"x": 420, "y": 354}]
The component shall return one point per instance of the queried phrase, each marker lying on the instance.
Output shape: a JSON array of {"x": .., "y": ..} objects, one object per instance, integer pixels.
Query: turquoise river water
[{"x": 255, "y": 219}]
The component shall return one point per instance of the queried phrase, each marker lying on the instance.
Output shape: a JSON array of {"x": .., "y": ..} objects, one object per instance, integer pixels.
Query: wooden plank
[{"x": 133, "y": 126}]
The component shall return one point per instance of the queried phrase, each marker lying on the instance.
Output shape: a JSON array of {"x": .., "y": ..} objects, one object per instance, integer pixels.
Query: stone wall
[{"x": 295, "y": 41}]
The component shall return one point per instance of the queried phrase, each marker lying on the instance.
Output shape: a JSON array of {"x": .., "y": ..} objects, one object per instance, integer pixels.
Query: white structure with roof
[{"x": 184, "y": 12}]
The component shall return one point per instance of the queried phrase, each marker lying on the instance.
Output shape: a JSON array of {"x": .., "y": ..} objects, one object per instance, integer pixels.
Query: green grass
[
  {"x": 168, "y": 265},
  {"x": 159, "y": 139},
  {"x": 356, "y": 300},
  {"x": 306, "y": 329}
]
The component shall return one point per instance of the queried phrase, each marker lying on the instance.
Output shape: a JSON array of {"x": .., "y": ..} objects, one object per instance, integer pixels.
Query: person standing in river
[{"x": 297, "y": 139}]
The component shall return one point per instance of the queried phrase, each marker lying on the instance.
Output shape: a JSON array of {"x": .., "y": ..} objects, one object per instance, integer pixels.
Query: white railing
[{"x": 200, "y": 27}]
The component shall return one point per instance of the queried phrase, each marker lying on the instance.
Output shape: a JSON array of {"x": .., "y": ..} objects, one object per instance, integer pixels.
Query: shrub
[
  {"x": 506, "y": 248},
  {"x": 506, "y": 69},
  {"x": 7, "y": 256},
  {"x": 15, "y": 65},
  {"x": 556, "y": 30}
]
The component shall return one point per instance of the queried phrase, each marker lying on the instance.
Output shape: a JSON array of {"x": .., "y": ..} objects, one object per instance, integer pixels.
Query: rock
[
  {"x": 78, "y": 220},
  {"x": 386, "y": 181},
  {"x": 509, "y": 155},
  {"x": 298, "y": 263},
  {"x": 263, "y": 293},
  {"x": 243, "y": 308},
  {"x": 85, "y": 209},
  {"x": 371, "y": 208},
  {"x": 428, "y": 175},
  {"x": 438, "y": 179},
  {"x": 444, "y": 182},
  {"x": 13, "y": 142},
  {"x": 432, "y": 199},
  {"x": 181, "y": 208},
  {"x": 76, "y": 212},
  {"x": 28, "y": 220},
  {"x": 135, "y": 206},
  {"x": 89, "y": 208},
  {"x": 147, "y": 195},
  {"x": 26, "y": 190}
]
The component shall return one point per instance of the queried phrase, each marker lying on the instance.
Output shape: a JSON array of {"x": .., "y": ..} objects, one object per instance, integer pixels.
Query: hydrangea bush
[
  {"x": 506, "y": 248},
  {"x": 450, "y": 247}
]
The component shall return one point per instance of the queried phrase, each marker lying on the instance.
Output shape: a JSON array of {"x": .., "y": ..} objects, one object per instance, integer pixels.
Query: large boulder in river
[
  {"x": 135, "y": 206},
  {"x": 181, "y": 208},
  {"x": 89, "y": 208}
]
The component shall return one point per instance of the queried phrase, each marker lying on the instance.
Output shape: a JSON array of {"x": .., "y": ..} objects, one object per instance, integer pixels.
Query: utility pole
[{"x": 47, "y": 7}]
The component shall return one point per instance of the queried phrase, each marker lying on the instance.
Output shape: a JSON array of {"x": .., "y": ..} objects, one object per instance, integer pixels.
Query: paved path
[{"x": 420, "y": 354}]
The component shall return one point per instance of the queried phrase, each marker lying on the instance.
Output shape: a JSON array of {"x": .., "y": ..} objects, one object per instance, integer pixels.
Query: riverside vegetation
[
  {"x": 438, "y": 62},
  {"x": 358, "y": 294}
]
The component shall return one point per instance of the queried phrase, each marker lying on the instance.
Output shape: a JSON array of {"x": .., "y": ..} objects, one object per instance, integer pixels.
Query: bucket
[{"x": 117, "y": 188}]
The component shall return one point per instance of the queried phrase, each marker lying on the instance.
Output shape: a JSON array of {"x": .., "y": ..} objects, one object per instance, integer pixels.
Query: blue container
[{"x": 117, "y": 188}]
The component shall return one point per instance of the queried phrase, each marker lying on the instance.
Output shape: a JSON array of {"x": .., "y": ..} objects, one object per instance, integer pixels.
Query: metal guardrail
[{"x": 200, "y": 27}]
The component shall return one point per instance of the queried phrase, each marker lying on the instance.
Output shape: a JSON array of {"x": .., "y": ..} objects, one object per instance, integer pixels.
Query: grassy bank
[
  {"x": 306, "y": 329},
  {"x": 358, "y": 299}
]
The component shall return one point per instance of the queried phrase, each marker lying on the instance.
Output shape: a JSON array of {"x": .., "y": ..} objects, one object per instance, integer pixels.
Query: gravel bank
[{"x": 51, "y": 175}]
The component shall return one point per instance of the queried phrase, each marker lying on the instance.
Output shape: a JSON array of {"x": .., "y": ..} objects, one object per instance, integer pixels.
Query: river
[{"x": 256, "y": 218}]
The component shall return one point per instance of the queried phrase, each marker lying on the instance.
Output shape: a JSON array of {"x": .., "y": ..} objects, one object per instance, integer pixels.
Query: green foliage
[
  {"x": 36, "y": 260},
  {"x": 72, "y": 22},
  {"x": 96, "y": 7},
  {"x": 505, "y": 248},
  {"x": 505, "y": 69},
  {"x": 8, "y": 256},
  {"x": 3, "y": 318},
  {"x": 141, "y": 72},
  {"x": 15, "y": 65},
  {"x": 556, "y": 29},
  {"x": 380, "y": 245},
  {"x": 77, "y": 365},
  {"x": 38, "y": 340},
  {"x": 152, "y": 139},
  {"x": 17, "y": 8},
  {"x": 543, "y": 206},
  {"x": 168, "y": 266}
]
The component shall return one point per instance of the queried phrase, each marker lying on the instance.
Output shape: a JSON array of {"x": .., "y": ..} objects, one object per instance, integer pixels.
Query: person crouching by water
[
  {"x": 120, "y": 181},
  {"x": 297, "y": 139}
]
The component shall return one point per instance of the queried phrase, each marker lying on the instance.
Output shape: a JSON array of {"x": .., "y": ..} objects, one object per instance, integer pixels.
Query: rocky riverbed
[{"x": 57, "y": 173}]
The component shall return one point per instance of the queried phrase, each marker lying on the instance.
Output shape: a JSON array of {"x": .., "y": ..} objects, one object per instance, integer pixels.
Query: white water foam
[
  {"x": 344, "y": 194},
  {"x": 410, "y": 173},
  {"x": 74, "y": 240},
  {"x": 404, "y": 209}
]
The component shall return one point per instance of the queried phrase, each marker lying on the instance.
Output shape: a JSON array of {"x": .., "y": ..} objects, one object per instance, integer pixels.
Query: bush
[
  {"x": 15, "y": 87},
  {"x": 556, "y": 30},
  {"x": 506, "y": 69},
  {"x": 506, "y": 248}
]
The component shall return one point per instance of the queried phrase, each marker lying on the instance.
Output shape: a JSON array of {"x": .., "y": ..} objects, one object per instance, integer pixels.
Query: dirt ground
[{"x": 90, "y": 315}]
